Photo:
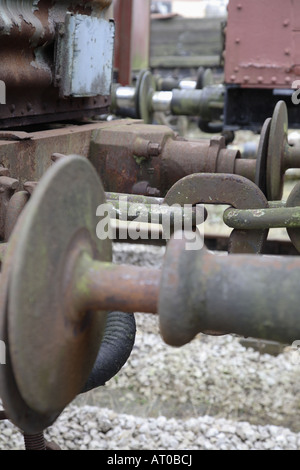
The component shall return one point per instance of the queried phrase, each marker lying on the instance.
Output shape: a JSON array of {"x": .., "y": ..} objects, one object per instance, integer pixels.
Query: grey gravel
[{"x": 212, "y": 394}]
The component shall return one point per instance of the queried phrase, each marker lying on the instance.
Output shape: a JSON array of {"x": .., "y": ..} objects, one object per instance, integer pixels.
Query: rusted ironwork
[
  {"x": 260, "y": 219},
  {"x": 14, "y": 208},
  {"x": 52, "y": 299},
  {"x": 15, "y": 406},
  {"x": 133, "y": 157},
  {"x": 238, "y": 305},
  {"x": 118, "y": 156},
  {"x": 132, "y": 42},
  {"x": 7, "y": 188},
  {"x": 294, "y": 201},
  {"x": 71, "y": 337},
  {"x": 35, "y": 441},
  {"x": 129, "y": 210},
  {"x": 223, "y": 189},
  {"x": 30, "y": 32},
  {"x": 144, "y": 100},
  {"x": 278, "y": 25}
]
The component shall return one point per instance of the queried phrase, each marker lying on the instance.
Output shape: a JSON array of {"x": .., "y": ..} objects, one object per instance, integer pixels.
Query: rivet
[
  {"x": 286, "y": 22},
  {"x": 274, "y": 79},
  {"x": 12, "y": 108},
  {"x": 237, "y": 41},
  {"x": 260, "y": 79},
  {"x": 239, "y": 6},
  {"x": 287, "y": 51},
  {"x": 233, "y": 78},
  {"x": 246, "y": 78},
  {"x": 287, "y": 79},
  {"x": 236, "y": 69}
]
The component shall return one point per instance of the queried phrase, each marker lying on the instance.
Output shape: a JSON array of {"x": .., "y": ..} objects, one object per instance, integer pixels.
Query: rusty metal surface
[
  {"x": 262, "y": 157},
  {"x": 117, "y": 154},
  {"x": 15, "y": 407},
  {"x": 294, "y": 201},
  {"x": 132, "y": 44},
  {"x": 109, "y": 287},
  {"x": 123, "y": 13},
  {"x": 247, "y": 295},
  {"x": 50, "y": 299},
  {"x": 276, "y": 151},
  {"x": 27, "y": 56},
  {"x": 260, "y": 35},
  {"x": 257, "y": 219},
  {"x": 35, "y": 441},
  {"x": 15, "y": 206},
  {"x": 28, "y": 159},
  {"x": 233, "y": 190},
  {"x": 128, "y": 153},
  {"x": 50, "y": 382},
  {"x": 7, "y": 188}
]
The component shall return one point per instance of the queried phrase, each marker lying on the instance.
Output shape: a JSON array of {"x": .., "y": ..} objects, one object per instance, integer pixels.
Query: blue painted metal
[{"x": 86, "y": 56}]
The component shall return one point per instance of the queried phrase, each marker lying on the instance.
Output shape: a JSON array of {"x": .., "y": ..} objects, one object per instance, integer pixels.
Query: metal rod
[
  {"x": 105, "y": 286},
  {"x": 125, "y": 97},
  {"x": 291, "y": 157},
  {"x": 256, "y": 219},
  {"x": 35, "y": 441},
  {"x": 247, "y": 295},
  {"x": 157, "y": 213}
]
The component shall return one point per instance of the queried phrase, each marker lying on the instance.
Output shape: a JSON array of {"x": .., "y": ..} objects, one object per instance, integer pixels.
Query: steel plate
[
  {"x": 262, "y": 157},
  {"x": 277, "y": 144},
  {"x": 52, "y": 349}
]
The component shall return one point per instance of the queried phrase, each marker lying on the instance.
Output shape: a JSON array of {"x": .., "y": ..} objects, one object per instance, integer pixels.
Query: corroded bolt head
[
  {"x": 153, "y": 192},
  {"x": 154, "y": 149}
]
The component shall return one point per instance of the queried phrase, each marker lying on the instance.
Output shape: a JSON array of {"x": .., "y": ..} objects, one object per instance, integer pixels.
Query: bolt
[
  {"x": 153, "y": 192},
  {"x": 30, "y": 186},
  {"x": 35, "y": 441},
  {"x": 153, "y": 149}
]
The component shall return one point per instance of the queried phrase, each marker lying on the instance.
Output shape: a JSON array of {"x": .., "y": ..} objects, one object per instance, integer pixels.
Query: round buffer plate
[
  {"x": 53, "y": 350},
  {"x": 276, "y": 149},
  {"x": 16, "y": 409},
  {"x": 294, "y": 201},
  {"x": 262, "y": 156},
  {"x": 145, "y": 89}
]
